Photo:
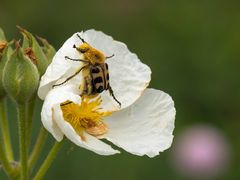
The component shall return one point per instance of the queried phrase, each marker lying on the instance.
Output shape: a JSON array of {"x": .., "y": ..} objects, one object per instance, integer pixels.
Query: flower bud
[
  {"x": 48, "y": 49},
  {"x": 3, "y": 45},
  {"x": 33, "y": 49},
  {"x": 20, "y": 76},
  {"x": 3, "y": 42},
  {"x": 3, "y": 59}
]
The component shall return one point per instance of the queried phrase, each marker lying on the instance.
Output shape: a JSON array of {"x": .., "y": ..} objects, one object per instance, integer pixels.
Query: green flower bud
[
  {"x": 48, "y": 49},
  {"x": 31, "y": 47},
  {"x": 3, "y": 60},
  {"x": 3, "y": 46},
  {"x": 20, "y": 76},
  {"x": 3, "y": 42}
]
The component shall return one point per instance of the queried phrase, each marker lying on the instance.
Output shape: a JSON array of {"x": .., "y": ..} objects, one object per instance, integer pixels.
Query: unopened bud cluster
[{"x": 22, "y": 64}]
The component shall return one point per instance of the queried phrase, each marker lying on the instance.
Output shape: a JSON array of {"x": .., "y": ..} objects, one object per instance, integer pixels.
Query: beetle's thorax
[{"x": 93, "y": 55}]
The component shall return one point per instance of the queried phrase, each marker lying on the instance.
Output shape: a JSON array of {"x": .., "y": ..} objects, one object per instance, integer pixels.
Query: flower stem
[
  {"x": 22, "y": 120},
  {"x": 5, "y": 130},
  {"x": 48, "y": 161},
  {"x": 37, "y": 148},
  {"x": 5, "y": 163},
  {"x": 31, "y": 106}
]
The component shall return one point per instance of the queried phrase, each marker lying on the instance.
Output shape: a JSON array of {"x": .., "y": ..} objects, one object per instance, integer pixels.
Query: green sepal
[
  {"x": 29, "y": 41},
  {"x": 5, "y": 51},
  {"x": 2, "y": 35},
  {"x": 3, "y": 42},
  {"x": 20, "y": 76},
  {"x": 3, "y": 60},
  {"x": 48, "y": 49}
]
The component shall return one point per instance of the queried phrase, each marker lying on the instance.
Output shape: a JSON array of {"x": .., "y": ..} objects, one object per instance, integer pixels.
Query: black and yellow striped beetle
[{"x": 95, "y": 71}]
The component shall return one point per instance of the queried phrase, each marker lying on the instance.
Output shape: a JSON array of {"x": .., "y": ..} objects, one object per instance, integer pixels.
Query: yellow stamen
[{"x": 85, "y": 116}]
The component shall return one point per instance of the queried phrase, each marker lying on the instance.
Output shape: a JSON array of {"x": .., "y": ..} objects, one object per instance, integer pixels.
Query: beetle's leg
[
  {"x": 108, "y": 57},
  {"x": 111, "y": 93},
  {"x": 66, "y": 103},
  {"x": 76, "y": 73},
  {"x": 72, "y": 59}
]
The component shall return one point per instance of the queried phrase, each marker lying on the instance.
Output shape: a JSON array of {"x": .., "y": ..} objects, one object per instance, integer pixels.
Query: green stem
[
  {"x": 37, "y": 148},
  {"x": 31, "y": 106},
  {"x": 48, "y": 161},
  {"x": 5, "y": 163},
  {"x": 5, "y": 130},
  {"x": 22, "y": 119}
]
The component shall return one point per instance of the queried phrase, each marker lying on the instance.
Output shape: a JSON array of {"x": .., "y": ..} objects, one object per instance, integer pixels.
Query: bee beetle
[{"x": 95, "y": 71}]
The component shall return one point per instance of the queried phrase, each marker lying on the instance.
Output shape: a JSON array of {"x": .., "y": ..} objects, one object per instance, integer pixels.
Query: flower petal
[
  {"x": 56, "y": 96},
  {"x": 128, "y": 75},
  {"x": 91, "y": 143},
  {"x": 146, "y": 127}
]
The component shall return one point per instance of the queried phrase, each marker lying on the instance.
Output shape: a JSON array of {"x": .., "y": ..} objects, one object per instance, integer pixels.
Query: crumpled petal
[
  {"x": 56, "y": 96},
  {"x": 146, "y": 127},
  {"x": 128, "y": 75},
  {"x": 91, "y": 143},
  {"x": 60, "y": 68}
]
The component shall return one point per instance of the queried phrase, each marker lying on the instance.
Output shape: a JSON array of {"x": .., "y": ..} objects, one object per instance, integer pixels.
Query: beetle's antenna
[
  {"x": 110, "y": 56},
  {"x": 81, "y": 38}
]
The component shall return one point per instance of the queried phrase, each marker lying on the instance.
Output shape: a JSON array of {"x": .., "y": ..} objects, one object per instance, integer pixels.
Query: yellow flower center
[{"x": 85, "y": 116}]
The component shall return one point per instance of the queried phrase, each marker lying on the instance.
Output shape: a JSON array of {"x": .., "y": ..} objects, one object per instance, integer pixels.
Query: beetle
[{"x": 95, "y": 71}]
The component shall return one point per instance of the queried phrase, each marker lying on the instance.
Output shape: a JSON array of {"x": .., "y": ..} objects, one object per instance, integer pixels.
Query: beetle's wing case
[
  {"x": 98, "y": 80},
  {"x": 105, "y": 74}
]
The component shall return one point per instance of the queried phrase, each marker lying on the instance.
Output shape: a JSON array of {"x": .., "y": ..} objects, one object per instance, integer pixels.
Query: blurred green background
[{"x": 192, "y": 47}]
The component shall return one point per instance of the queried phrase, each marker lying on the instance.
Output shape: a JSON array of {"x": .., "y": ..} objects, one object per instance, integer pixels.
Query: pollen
[{"x": 86, "y": 116}]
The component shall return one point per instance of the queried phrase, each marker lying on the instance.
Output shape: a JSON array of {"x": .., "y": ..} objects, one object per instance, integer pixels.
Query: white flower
[{"x": 143, "y": 125}]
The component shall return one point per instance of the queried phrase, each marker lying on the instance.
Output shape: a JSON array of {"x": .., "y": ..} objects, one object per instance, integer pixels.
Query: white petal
[
  {"x": 56, "y": 96},
  {"x": 146, "y": 127},
  {"x": 91, "y": 143},
  {"x": 128, "y": 75}
]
